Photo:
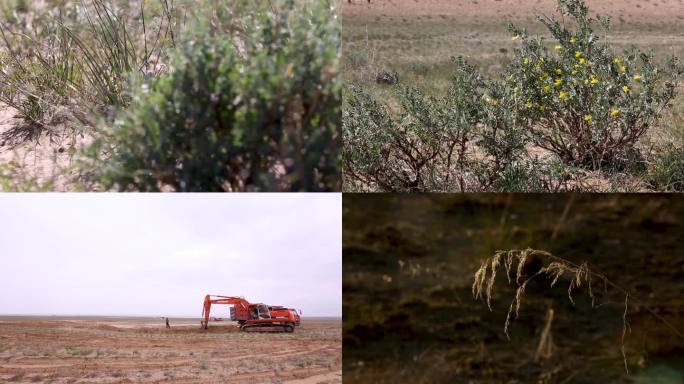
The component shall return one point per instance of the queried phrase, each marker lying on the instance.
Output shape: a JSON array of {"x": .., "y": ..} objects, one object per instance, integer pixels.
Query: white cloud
[{"x": 157, "y": 255}]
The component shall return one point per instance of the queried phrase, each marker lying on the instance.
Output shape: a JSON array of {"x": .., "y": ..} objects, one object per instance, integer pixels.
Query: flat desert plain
[
  {"x": 141, "y": 350},
  {"x": 422, "y": 35}
]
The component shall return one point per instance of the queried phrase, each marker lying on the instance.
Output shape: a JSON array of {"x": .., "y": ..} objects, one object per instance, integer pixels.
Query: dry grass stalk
[
  {"x": 556, "y": 268},
  {"x": 545, "y": 347}
]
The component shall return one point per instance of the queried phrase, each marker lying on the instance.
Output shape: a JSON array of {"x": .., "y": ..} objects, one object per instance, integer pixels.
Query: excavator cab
[{"x": 264, "y": 313}]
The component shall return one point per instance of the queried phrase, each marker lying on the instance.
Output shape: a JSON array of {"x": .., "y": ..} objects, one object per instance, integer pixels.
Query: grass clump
[
  {"x": 16, "y": 377},
  {"x": 72, "y": 60},
  {"x": 666, "y": 172}
]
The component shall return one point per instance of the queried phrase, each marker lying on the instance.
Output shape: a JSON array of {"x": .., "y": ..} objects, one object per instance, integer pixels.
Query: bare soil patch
[
  {"x": 637, "y": 10},
  {"x": 127, "y": 351}
]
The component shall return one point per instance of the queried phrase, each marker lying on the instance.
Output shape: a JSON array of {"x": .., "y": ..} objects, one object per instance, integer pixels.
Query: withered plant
[{"x": 514, "y": 263}]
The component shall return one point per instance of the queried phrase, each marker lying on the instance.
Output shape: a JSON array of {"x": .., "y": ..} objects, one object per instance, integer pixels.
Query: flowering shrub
[{"x": 584, "y": 102}]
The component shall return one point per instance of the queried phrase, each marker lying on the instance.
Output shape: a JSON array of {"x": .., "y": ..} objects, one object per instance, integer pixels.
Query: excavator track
[{"x": 267, "y": 328}]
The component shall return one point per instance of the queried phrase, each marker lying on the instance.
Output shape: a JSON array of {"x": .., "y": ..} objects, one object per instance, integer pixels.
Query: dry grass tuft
[{"x": 554, "y": 269}]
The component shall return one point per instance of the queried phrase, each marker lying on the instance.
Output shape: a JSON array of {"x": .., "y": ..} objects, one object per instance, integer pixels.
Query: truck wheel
[{"x": 289, "y": 328}]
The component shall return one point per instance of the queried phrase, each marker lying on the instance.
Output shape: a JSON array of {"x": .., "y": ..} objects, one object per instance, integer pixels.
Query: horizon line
[{"x": 148, "y": 316}]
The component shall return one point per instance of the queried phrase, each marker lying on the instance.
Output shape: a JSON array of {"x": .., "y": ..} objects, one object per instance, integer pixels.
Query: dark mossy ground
[{"x": 409, "y": 315}]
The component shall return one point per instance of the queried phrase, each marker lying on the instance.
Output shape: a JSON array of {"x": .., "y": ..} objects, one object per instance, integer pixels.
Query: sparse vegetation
[
  {"x": 569, "y": 114},
  {"x": 16, "y": 377},
  {"x": 129, "y": 349}
]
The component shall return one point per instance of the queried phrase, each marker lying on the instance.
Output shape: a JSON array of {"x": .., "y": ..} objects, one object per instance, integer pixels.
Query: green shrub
[
  {"x": 256, "y": 112},
  {"x": 585, "y": 103},
  {"x": 428, "y": 146}
]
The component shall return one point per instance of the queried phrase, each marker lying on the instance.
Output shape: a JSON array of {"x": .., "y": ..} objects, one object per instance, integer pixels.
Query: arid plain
[{"x": 140, "y": 350}]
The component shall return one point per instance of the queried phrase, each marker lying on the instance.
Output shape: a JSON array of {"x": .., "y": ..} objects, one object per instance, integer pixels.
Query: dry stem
[{"x": 554, "y": 270}]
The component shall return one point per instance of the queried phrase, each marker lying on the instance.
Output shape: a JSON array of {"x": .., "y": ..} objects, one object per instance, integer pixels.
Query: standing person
[{"x": 167, "y": 323}]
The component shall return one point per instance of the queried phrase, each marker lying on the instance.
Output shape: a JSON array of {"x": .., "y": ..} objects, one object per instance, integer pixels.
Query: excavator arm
[{"x": 216, "y": 299}]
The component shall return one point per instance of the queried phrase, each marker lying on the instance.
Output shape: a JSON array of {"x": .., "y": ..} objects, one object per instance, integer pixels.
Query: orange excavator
[{"x": 253, "y": 317}]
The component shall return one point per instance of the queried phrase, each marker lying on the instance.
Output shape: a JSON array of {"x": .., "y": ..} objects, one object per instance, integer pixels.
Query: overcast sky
[{"x": 159, "y": 254}]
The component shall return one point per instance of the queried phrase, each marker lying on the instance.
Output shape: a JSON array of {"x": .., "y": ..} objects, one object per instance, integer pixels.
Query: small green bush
[{"x": 256, "y": 112}]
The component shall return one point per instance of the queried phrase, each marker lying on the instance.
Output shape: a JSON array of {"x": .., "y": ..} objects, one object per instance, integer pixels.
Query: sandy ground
[
  {"x": 105, "y": 350},
  {"x": 644, "y": 10},
  {"x": 45, "y": 163}
]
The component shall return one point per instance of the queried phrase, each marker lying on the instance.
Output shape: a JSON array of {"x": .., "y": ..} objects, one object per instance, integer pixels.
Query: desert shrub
[
  {"x": 584, "y": 102},
  {"x": 666, "y": 172},
  {"x": 429, "y": 145},
  {"x": 256, "y": 112},
  {"x": 417, "y": 150}
]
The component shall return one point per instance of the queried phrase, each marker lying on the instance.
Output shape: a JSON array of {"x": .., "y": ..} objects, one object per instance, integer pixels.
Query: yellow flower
[
  {"x": 559, "y": 71},
  {"x": 490, "y": 101},
  {"x": 562, "y": 95},
  {"x": 594, "y": 80},
  {"x": 587, "y": 118},
  {"x": 625, "y": 88},
  {"x": 573, "y": 40},
  {"x": 547, "y": 88},
  {"x": 529, "y": 104},
  {"x": 578, "y": 54},
  {"x": 542, "y": 108},
  {"x": 574, "y": 72},
  {"x": 623, "y": 69},
  {"x": 526, "y": 61},
  {"x": 557, "y": 47},
  {"x": 617, "y": 60},
  {"x": 514, "y": 38},
  {"x": 590, "y": 62},
  {"x": 586, "y": 81},
  {"x": 636, "y": 78},
  {"x": 543, "y": 76},
  {"x": 614, "y": 112},
  {"x": 582, "y": 60},
  {"x": 516, "y": 89},
  {"x": 558, "y": 82}
]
